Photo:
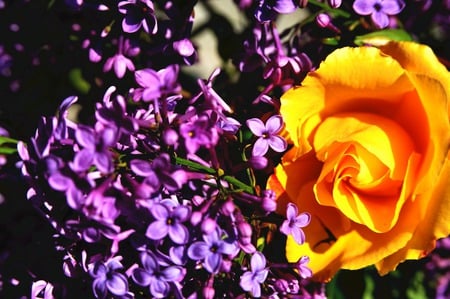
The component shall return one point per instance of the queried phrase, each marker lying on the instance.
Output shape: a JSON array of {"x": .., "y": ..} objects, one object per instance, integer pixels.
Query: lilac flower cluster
[{"x": 151, "y": 208}]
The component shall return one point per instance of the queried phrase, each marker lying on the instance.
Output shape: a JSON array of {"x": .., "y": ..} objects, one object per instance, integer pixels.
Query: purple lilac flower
[
  {"x": 138, "y": 13},
  {"x": 156, "y": 84},
  {"x": 168, "y": 221},
  {"x": 155, "y": 277},
  {"x": 159, "y": 172},
  {"x": 42, "y": 289},
  {"x": 119, "y": 62},
  {"x": 294, "y": 223},
  {"x": 379, "y": 10},
  {"x": 95, "y": 150},
  {"x": 267, "y": 10},
  {"x": 199, "y": 133},
  {"x": 267, "y": 135},
  {"x": 211, "y": 250},
  {"x": 251, "y": 280},
  {"x": 113, "y": 113},
  {"x": 108, "y": 279},
  {"x": 301, "y": 267}
]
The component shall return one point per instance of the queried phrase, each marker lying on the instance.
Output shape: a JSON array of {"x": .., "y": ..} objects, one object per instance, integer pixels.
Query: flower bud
[
  {"x": 335, "y": 3},
  {"x": 170, "y": 136},
  {"x": 208, "y": 225}
]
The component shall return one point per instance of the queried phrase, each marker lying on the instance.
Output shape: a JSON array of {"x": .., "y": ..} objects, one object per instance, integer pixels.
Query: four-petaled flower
[
  {"x": 251, "y": 280},
  {"x": 155, "y": 277},
  {"x": 107, "y": 278},
  {"x": 294, "y": 223},
  {"x": 169, "y": 222},
  {"x": 379, "y": 10},
  {"x": 211, "y": 250},
  {"x": 95, "y": 150},
  {"x": 267, "y": 135},
  {"x": 138, "y": 13}
]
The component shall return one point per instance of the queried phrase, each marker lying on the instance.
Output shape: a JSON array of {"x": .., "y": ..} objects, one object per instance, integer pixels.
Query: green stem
[{"x": 218, "y": 173}]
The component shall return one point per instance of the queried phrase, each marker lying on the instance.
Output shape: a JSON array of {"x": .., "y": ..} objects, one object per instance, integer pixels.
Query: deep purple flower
[
  {"x": 112, "y": 113},
  {"x": 200, "y": 133},
  {"x": 301, "y": 267},
  {"x": 211, "y": 250},
  {"x": 156, "y": 84},
  {"x": 159, "y": 172},
  {"x": 155, "y": 277},
  {"x": 379, "y": 10},
  {"x": 267, "y": 10},
  {"x": 267, "y": 135},
  {"x": 186, "y": 49},
  {"x": 294, "y": 223},
  {"x": 251, "y": 280},
  {"x": 108, "y": 279},
  {"x": 96, "y": 145},
  {"x": 119, "y": 62},
  {"x": 42, "y": 289},
  {"x": 138, "y": 13},
  {"x": 168, "y": 221}
]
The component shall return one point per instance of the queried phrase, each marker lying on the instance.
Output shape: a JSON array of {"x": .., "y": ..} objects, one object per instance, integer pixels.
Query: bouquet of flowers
[{"x": 224, "y": 149}]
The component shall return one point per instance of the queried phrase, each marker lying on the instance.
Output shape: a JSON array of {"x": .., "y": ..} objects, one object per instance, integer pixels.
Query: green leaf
[
  {"x": 7, "y": 150},
  {"x": 77, "y": 80},
  {"x": 381, "y": 37},
  {"x": 4, "y": 139}
]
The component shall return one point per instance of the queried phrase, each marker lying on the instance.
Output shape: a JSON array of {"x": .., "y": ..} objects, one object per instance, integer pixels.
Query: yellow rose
[{"x": 370, "y": 158}]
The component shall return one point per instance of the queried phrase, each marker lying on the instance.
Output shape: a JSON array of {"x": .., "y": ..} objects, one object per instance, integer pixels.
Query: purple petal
[
  {"x": 246, "y": 281},
  {"x": 258, "y": 262},
  {"x": 256, "y": 126},
  {"x": 213, "y": 262},
  {"x": 198, "y": 250},
  {"x": 160, "y": 212},
  {"x": 83, "y": 160},
  {"x": 157, "y": 230},
  {"x": 159, "y": 288},
  {"x": 182, "y": 213},
  {"x": 173, "y": 273},
  {"x": 285, "y": 227},
  {"x": 227, "y": 248},
  {"x": 85, "y": 137},
  {"x": 303, "y": 219},
  {"x": 149, "y": 262},
  {"x": 99, "y": 288},
  {"x": 75, "y": 198},
  {"x": 277, "y": 143},
  {"x": 364, "y": 7},
  {"x": 109, "y": 136},
  {"x": 291, "y": 211},
  {"x": 274, "y": 124},
  {"x": 298, "y": 234},
  {"x": 130, "y": 25},
  {"x": 393, "y": 7},
  {"x": 117, "y": 284},
  {"x": 141, "y": 277},
  {"x": 261, "y": 275},
  {"x": 59, "y": 182},
  {"x": 178, "y": 233},
  {"x": 380, "y": 19},
  {"x": 120, "y": 66},
  {"x": 108, "y": 64},
  {"x": 260, "y": 147},
  {"x": 284, "y": 6},
  {"x": 141, "y": 167},
  {"x": 147, "y": 78},
  {"x": 103, "y": 162},
  {"x": 184, "y": 47}
]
